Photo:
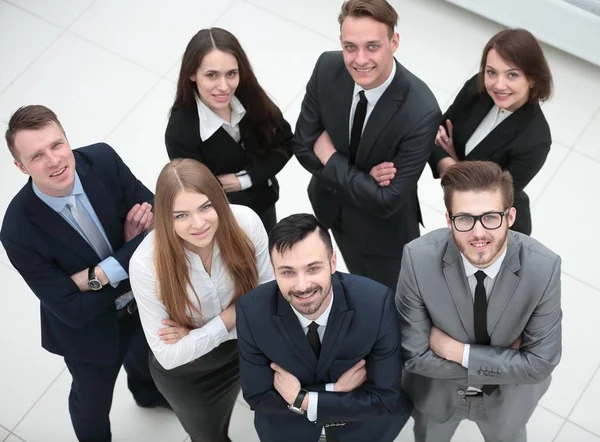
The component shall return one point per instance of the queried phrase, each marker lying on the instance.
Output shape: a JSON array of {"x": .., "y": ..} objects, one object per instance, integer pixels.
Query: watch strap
[{"x": 298, "y": 401}]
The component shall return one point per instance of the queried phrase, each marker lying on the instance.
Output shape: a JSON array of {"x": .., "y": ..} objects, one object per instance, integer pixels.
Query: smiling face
[
  {"x": 195, "y": 220},
  {"x": 216, "y": 79},
  {"x": 303, "y": 274},
  {"x": 368, "y": 50},
  {"x": 481, "y": 247},
  {"x": 45, "y": 154},
  {"x": 507, "y": 85}
]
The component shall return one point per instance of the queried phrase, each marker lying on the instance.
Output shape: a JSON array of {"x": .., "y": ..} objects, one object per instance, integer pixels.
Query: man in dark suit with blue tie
[
  {"x": 70, "y": 232},
  {"x": 319, "y": 349}
]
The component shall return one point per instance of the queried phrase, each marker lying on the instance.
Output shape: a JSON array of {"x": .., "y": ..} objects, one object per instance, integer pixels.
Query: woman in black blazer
[
  {"x": 497, "y": 116},
  {"x": 223, "y": 118}
]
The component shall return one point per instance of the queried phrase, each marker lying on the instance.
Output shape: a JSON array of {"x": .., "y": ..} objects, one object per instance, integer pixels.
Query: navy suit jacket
[
  {"x": 363, "y": 324},
  {"x": 46, "y": 250}
]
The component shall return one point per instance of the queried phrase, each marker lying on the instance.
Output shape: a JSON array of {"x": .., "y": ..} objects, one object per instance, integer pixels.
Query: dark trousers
[
  {"x": 269, "y": 218},
  {"x": 92, "y": 388},
  {"x": 383, "y": 269}
]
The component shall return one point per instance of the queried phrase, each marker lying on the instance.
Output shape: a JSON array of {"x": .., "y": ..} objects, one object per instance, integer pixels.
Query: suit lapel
[
  {"x": 454, "y": 272},
  {"x": 504, "y": 287},
  {"x": 58, "y": 228},
  {"x": 382, "y": 113},
  {"x": 291, "y": 330},
  {"x": 339, "y": 320}
]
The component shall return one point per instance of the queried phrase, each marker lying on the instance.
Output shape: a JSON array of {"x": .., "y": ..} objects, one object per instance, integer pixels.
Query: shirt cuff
[
  {"x": 113, "y": 270},
  {"x": 465, "y": 358},
  {"x": 215, "y": 328},
  {"x": 313, "y": 401},
  {"x": 245, "y": 180},
  {"x": 329, "y": 387}
]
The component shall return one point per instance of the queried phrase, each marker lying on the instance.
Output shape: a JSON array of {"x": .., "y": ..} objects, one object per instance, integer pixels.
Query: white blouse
[
  {"x": 215, "y": 292},
  {"x": 493, "y": 118}
]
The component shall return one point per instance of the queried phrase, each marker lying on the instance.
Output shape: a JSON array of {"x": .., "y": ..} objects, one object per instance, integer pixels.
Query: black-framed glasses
[{"x": 489, "y": 220}]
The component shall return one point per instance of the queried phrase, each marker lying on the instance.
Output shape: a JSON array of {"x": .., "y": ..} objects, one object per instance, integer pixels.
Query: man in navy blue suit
[
  {"x": 319, "y": 349},
  {"x": 70, "y": 232}
]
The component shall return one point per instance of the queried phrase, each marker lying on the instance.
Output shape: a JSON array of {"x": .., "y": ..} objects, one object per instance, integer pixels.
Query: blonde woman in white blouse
[{"x": 186, "y": 275}]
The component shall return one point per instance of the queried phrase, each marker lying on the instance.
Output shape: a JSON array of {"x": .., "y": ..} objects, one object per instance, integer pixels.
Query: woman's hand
[
  {"x": 445, "y": 141},
  {"x": 230, "y": 182},
  {"x": 173, "y": 333}
]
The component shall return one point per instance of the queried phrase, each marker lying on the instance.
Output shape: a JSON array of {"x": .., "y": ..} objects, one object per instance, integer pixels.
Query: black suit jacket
[
  {"x": 520, "y": 144},
  {"x": 401, "y": 129},
  {"x": 363, "y": 324},
  {"x": 46, "y": 250},
  {"x": 222, "y": 154}
]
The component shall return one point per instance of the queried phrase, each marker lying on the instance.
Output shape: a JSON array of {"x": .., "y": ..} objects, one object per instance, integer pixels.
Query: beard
[
  {"x": 313, "y": 306},
  {"x": 486, "y": 257}
]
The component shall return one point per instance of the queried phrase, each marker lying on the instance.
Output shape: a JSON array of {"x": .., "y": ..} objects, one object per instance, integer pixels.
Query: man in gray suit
[{"x": 480, "y": 313}]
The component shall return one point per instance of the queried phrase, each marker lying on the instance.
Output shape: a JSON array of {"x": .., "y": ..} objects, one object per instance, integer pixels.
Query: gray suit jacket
[{"x": 525, "y": 301}]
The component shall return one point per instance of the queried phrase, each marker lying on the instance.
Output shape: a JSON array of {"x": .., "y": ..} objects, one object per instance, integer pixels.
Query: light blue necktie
[{"x": 92, "y": 234}]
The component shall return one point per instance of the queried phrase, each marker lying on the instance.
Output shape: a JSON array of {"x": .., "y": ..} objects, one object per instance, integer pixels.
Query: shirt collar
[
  {"x": 58, "y": 203},
  {"x": 373, "y": 95},
  {"x": 321, "y": 320},
  {"x": 210, "y": 122},
  {"x": 490, "y": 272}
]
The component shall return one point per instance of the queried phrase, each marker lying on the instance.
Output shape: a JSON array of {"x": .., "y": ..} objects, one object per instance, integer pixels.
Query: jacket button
[
  {"x": 480, "y": 372},
  {"x": 486, "y": 373},
  {"x": 497, "y": 375},
  {"x": 461, "y": 392}
]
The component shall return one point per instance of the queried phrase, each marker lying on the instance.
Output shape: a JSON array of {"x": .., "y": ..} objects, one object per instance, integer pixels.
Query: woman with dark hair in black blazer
[
  {"x": 223, "y": 118},
  {"x": 497, "y": 116}
]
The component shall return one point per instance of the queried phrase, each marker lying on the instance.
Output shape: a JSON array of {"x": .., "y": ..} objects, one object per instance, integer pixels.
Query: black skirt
[{"x": 203, "y": 392}]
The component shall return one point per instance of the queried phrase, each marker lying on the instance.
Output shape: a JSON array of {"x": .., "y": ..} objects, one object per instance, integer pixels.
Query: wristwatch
[
  {"x": 93, "y": 282},
  {"x": 296, "y": 407}
]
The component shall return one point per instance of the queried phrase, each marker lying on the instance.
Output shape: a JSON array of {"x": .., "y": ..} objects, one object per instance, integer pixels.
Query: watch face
[{"x": 94, "y": 284}]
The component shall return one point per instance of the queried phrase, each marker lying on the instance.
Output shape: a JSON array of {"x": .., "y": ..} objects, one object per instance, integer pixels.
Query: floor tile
[
  {"x": 26, "y": 370},
  {"x": 90, "y": 98},
  {"x": 554, "y": 161},
  {"x": 569, "y": 201},
  {"x": 241, "y": 428},
  {"x": 588, "y": 144},
  {"x": 543, "y": 426},
  {"x": 580, "y": 303},
  {"x": 141, "y": 134},
  {"x": 60, "y": 12},
  {"x": 581, "y": 97},
  {"x": 156, "y": 32},
  {"x": 35, "y": 35},
  {"x": 128, "y": 421},
  {"x": 14, "y": 438},
  {"x": 3, "y": 433},
  {"x": 573, "y": 433},
  {"x": 585, "y": 413},
  {"x": 288, "y": 61}
]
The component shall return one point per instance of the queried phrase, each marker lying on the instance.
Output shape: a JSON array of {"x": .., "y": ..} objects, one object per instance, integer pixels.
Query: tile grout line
[
  {"x": 543, "y": 191},
  {"x": 37, "y": 401}
]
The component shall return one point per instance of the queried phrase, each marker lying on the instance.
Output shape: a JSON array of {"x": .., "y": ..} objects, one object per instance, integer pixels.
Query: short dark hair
[
  {"x": 520, "y": 48},
  {"x": 295, "y": 228},
  {"x": 30, "y": 117},
  {"x": 378, "y": 10},
  {"x": 477, "y": 176}
]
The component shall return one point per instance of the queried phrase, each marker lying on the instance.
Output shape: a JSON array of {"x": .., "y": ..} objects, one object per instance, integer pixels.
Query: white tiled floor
[{"x": 108, "y": 69}]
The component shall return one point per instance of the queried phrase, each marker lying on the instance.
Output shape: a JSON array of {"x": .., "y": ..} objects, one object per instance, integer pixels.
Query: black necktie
[
  {"x": 313, "y": 338},
  {"x": 480, "y": 313},
  {"x": 357, "y": 124}
]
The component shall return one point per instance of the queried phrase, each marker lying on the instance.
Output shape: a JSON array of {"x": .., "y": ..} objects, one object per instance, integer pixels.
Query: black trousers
[
  {"x": 269, "y": 218},
  {"x": 92, "y": 388},
  {"x": 383, "y": 269},
  {"x": 203, "y": 392}
]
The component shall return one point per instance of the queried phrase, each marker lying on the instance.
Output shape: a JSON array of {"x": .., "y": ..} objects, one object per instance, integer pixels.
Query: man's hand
[
  {"x": 353, "y": 378},
  {"x": 173, "y": 333},
  {"x": 286, "y": 384},
  {"x": 81, "y": 278},
  {"x": 383, "y": 173},
  {"x": 445, "y": 347},
  {"x": 324, "y": 148},
  {"x": 517, "y": 344},
  {"x": 138, "y": 219},
  {"x": 230, "y": 182}
]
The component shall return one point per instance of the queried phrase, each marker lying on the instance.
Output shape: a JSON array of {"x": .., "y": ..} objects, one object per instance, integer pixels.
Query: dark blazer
[
  {"x": 222, "y": 154},
  {"x": 400, "y": 129},
  {"x": 520, "y": 144},
  {"x": 46, "y": 250},
  {"x": 362, "y": 324}
]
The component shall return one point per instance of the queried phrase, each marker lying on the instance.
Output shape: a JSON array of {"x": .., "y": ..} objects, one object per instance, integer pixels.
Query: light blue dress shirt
[{"x": 111, "y": 267}]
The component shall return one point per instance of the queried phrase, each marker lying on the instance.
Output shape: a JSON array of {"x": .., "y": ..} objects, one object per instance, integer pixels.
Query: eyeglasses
[{"x": 489, "y": 220}]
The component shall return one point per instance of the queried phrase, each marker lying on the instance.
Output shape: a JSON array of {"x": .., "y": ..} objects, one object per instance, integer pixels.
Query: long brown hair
[
  {"x": 263, "y": 120},
  {"x": 237, "y": 251}
]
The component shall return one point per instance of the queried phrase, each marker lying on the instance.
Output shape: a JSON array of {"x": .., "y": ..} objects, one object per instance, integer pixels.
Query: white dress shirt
[
  {"x": 210, "y": 122},
  {"x": 372, "y": 96},
  {"x": 493, "y": 118},
  {"x": 313, "y": 396},
  {"x": 215, "y": 292},
  {"x": 491, "y": 272}
]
